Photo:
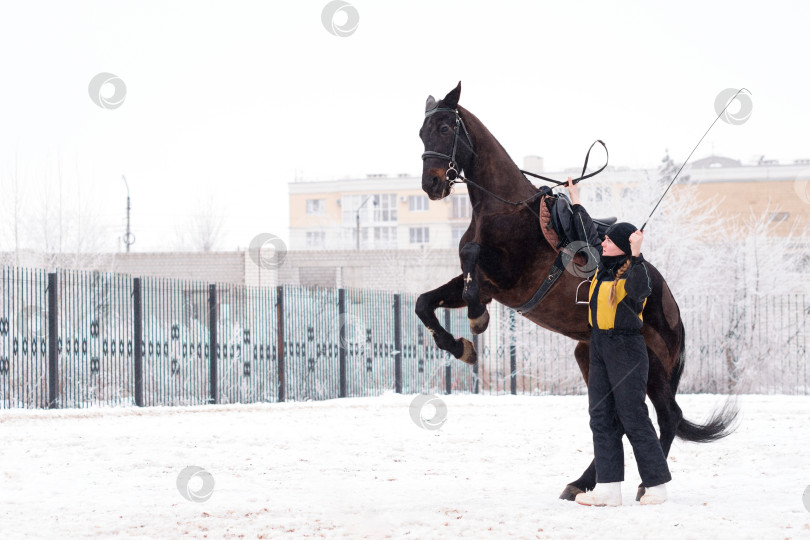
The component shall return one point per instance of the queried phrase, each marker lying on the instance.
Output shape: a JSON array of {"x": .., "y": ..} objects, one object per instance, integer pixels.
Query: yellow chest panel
[{"x": 605, "y": 313}]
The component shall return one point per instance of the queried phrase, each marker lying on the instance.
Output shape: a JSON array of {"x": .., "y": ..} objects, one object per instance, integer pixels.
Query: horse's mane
[{"x": 482, "y": 137}]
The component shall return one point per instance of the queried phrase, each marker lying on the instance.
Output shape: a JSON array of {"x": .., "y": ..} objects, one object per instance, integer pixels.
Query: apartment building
[
  {"x": 376, "y": 212},
  {"x": 392, "y": 212}
]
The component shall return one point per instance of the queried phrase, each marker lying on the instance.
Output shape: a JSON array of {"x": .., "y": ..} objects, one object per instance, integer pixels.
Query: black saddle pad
[{"x": 562, "y": 219}]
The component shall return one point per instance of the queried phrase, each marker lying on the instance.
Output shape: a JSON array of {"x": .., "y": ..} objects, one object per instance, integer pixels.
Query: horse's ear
[
  {"x": 451, "y": 100},
  {"x": 430, "y": 104}
]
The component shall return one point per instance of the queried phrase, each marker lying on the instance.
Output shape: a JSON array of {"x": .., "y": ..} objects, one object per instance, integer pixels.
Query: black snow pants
[{"x": 617, "y": 386}]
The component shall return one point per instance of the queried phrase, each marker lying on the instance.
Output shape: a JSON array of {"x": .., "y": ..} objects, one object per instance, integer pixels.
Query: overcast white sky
[{"x": 230, "y": 99}]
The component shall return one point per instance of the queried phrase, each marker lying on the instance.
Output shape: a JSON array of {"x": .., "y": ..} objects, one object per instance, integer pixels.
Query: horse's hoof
[
  {"x": 479, "y": 324},
  {"x": 640, "y": 492},
  {"x": 469, "y": 356},
  {"x": 570, "y": 492}
]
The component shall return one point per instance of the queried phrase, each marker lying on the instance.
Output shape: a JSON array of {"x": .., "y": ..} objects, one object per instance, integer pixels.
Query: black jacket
[{"x": 632, "y": 289}]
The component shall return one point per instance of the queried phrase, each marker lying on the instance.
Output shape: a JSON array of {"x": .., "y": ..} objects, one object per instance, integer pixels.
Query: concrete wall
[
  {"x": 413, "y": 270},
  {"x": 211, "y": 267}
]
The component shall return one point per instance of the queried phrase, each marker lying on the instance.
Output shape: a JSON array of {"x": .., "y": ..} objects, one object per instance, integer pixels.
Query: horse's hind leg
[
  {"x": 669, "y": 413},
  {"x": 446, "y": 296},
  {"x": 584, "y": 483},
  {"x": 587, "y": 481},
  {"x": 476, "y": 310}
]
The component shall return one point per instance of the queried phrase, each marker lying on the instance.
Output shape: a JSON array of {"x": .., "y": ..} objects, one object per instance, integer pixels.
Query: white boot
[
  {"x": 604, "y": 494},
  {"x": 654, "y": 494}
]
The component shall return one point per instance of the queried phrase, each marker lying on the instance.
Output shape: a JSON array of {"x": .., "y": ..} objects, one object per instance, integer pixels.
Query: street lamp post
[
  {"x": 129, "y": 238},
  {"x": 357, "y": 219}
]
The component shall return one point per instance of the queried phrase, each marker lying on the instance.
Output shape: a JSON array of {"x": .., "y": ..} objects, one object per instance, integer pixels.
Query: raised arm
[
  {"x": 583, "y": 225},
  {"x": 638, "y": 285}
]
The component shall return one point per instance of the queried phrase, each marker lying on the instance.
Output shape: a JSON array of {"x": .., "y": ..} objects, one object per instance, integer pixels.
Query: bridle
[{"x": 451, "y": 174}]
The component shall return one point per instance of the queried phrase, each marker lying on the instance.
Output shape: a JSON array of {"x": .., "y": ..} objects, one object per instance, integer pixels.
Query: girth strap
[{"x": 555, "y": 272}]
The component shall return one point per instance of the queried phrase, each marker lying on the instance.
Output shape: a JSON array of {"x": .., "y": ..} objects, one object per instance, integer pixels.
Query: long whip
[{"x": 692, "y": 152}]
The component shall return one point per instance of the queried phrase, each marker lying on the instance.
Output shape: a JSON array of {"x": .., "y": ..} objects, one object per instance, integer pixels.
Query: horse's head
[{"x": 448, "y": 146}]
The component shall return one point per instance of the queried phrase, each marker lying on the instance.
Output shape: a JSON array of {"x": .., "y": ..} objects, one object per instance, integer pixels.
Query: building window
[
  {"x": 350, "y": 238},
  {"x": 418, "y": 203},
  {"x": 457, "y": 233},
  {"x": 316, "y": 207},
  {"x": 385, "y": 237},
  {"x": 316, "y": 239},
  {"x": 375, "y": 211},
  {"x": 461, "y": 206},
  {"x": 778, "y": 217},
  {"x": 373, "y": 208},
  {"x": 385, "y": 207},
  {"x": 419, "y": 235},
  {"x": 350, "y": 204}
]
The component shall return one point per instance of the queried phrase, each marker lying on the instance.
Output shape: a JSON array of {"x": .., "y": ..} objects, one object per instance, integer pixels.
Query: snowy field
[{"x": 362, "y": 468}]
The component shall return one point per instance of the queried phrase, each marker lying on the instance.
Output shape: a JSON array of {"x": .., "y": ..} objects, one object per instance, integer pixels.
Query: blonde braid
[{"x": 620, "y": 273}]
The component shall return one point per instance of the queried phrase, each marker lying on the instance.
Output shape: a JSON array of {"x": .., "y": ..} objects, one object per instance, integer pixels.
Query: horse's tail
[{"x": 719, "y": 425}]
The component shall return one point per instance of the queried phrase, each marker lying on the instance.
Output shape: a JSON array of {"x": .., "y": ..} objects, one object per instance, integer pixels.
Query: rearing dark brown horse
[{"x": 505, "y": 257}]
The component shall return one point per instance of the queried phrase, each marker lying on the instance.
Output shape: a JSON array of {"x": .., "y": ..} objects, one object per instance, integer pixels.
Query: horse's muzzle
[{"x": 435, "y": 184}]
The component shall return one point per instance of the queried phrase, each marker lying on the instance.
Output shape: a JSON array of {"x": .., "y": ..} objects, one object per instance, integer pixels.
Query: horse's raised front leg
[
  {"x": 476, "y": 309},
  {"x": 446, "y": 296}
]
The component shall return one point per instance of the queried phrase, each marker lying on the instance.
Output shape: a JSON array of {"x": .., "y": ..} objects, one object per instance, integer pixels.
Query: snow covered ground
[{"x": 362, "y": 468}]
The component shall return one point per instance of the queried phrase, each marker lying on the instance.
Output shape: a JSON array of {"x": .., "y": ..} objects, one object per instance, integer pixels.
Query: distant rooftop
[{"x": 712, "y": 168}]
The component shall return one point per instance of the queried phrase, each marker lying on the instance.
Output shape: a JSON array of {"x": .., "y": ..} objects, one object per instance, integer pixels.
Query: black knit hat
[{"x": 619, "y": 234}]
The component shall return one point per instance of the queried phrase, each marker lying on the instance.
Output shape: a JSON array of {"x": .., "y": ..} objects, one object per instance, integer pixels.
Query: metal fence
[{"x": 79, "y": 339}]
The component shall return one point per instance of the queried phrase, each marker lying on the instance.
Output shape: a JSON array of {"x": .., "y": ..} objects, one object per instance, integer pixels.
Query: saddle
[{"x": 557, "y": 224}]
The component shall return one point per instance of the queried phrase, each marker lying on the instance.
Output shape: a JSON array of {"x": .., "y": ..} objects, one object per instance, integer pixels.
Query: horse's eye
[{"x": 445, "y": 129}]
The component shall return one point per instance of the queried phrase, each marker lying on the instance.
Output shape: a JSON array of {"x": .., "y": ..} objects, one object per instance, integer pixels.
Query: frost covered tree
[
  {"x": 738, "y": 284},
  {"x": 203, "y": 229},
  {"x": 48, "y": 221},
  {"x": 732, "y": 279},
  {"x": 761, "y": 337}
]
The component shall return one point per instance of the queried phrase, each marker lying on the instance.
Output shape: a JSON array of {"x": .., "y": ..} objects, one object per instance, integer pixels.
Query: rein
[{"x": 454, "y": 176}]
